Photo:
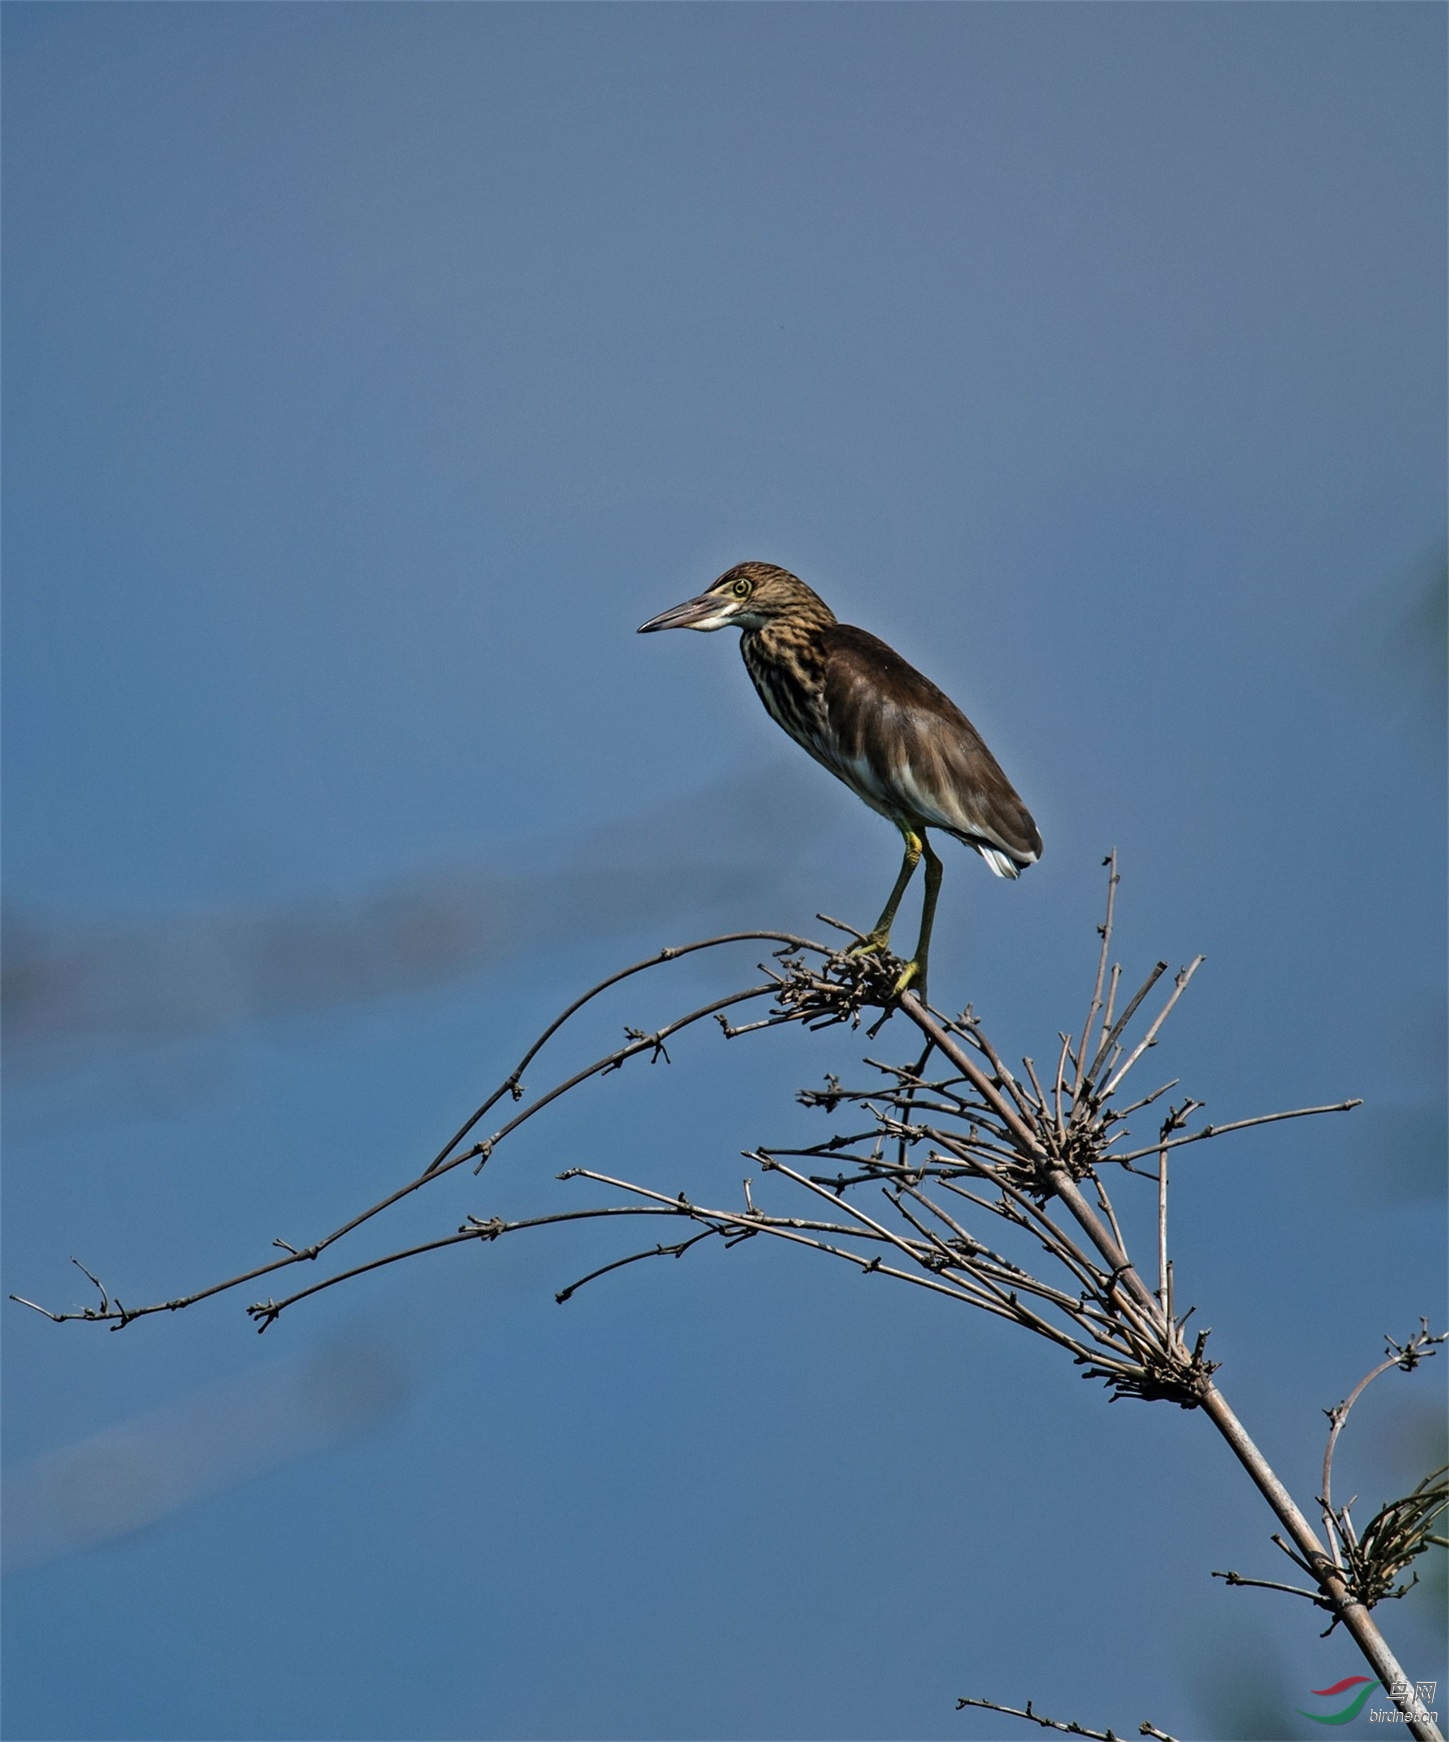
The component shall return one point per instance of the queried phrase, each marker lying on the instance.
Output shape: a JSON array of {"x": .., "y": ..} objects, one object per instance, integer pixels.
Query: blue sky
[{"x": 371, "y": 373}]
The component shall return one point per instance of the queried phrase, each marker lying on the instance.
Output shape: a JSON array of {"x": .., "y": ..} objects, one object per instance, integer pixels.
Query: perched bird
[{"x": 896, "y": 741}]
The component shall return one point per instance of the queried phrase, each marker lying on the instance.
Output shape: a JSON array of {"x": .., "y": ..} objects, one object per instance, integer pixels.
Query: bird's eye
[{"x": 742, "y": 589}]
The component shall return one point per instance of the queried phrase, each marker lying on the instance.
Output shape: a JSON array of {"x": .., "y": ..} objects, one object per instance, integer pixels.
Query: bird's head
[{"x": 748, "y": 596}]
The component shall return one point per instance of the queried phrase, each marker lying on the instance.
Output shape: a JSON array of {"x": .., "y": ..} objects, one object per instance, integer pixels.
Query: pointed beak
[{"x": 708, "y": 611}]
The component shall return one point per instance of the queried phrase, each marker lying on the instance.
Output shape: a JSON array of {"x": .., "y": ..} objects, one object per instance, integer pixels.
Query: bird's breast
[
  {"x": 788, "y": 670},
  {"x": 789, "y": 676}
]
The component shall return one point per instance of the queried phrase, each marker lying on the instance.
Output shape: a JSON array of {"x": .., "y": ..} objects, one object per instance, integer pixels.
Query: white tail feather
[{"x": 1001, "y": 863}]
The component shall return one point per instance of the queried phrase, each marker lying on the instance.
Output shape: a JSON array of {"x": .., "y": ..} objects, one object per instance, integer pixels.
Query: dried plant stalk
[{"x": 983, "y": 1186}]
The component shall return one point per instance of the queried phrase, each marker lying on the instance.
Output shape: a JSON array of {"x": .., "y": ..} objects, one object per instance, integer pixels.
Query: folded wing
[{"x": 910, "y": 753}]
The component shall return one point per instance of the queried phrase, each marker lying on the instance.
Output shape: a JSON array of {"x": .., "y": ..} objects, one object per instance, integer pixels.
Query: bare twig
[
  {"x": 1405, "y": 1356},
  {"x": 110, "y": 1310},
  {"x": 1109, "y": 1039},
  {"x": 1233, "y": 1125},
  {"x": 1071, "y": 1729},
  {"x": 1094, "y": 1008},
  {"x": 1317, "y": 1597}
]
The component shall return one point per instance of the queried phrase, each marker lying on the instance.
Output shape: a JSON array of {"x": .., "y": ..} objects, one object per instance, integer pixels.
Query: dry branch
[
  {"x": 1070, "y": 1729},
  {"x": 940, "y": 1149}
]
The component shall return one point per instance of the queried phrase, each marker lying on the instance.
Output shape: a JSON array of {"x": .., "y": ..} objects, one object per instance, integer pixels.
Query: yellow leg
[
  {"x": 914, "y": 973},
  {"x": 880, "y": 933}
]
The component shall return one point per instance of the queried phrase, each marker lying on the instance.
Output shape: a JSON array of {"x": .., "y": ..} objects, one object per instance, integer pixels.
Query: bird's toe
[{"x": 912, "y": 976}]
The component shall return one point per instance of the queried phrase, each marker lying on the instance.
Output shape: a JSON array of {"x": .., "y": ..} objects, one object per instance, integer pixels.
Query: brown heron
[{"x": 855, "y": 705}]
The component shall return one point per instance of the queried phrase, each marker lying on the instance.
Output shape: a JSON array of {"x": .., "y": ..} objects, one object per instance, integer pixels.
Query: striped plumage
[{"x": 857, "y": 707}]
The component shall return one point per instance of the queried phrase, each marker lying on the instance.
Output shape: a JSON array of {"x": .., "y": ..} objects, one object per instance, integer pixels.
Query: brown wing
[{"x": 911, "y": 749}]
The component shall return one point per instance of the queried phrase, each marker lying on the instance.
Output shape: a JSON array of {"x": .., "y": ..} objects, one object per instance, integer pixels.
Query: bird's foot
[
  {"x": 875, "y": 943},
  {"x": 912, "y": 977},
  {"x": 912, "y": 974}
]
